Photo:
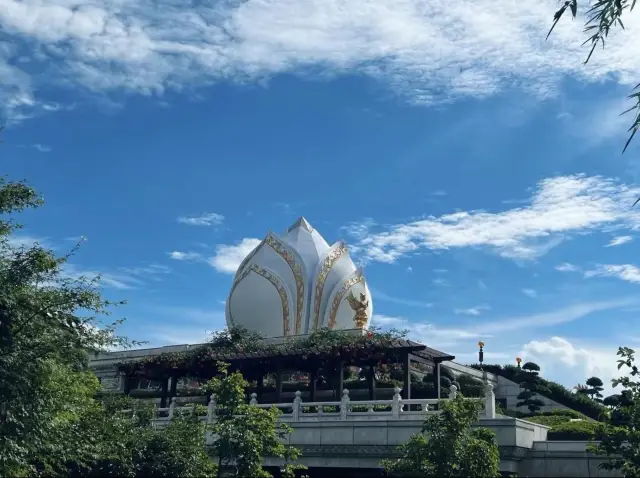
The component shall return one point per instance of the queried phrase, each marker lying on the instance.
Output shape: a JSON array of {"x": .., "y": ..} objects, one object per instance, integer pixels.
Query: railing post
[
  {"x": 489, "y": 402},
  {"x": 344, "y": 404},
  {"x": 453, "y": 392},
  {"x": 297, "y": 406},
  {"x": 395, "y": 403},
  {"x": 172, "y": 407},
  {"x": 211, "y": 409},
  {"x": 254, "y": 399}
]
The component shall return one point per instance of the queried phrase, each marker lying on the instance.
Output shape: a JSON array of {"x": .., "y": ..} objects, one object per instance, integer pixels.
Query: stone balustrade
[{"x": 344, "y": 410}]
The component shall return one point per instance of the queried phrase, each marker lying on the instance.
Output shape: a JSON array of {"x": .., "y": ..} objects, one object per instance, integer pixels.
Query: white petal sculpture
[{"x": 294, "y": 284}]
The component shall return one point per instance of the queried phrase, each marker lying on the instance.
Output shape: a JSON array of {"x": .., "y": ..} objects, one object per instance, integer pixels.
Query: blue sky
[{"x": 474, "y": 170}]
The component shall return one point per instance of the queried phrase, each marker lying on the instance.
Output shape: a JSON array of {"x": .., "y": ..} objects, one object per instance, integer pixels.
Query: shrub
[
  {"x": 470, "y": 386},
  {"x": 551, "y": 390},
  {"x": 569, "y": 431},
  {"x": 548, "y": 420}
]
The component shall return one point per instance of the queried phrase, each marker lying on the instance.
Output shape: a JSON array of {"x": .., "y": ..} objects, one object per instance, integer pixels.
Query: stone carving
[
  {"x": 360, "y": 308},
  {"x": 358, "y": 278},
  {"x": 327, "y": 264},
  {"x": 278, "y": 246}
]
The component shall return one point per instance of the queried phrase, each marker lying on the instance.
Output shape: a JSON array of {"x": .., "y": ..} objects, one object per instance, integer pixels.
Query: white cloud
[
  {"x": 38, "y": 147},
  {"x": 530, "y": 292},
  {"x": 228, "y": 257},
  {"x": 618, "y": 241},
  {"x": 428, "y": 51},
  {"x": 626, "y": 272},
  {"x": 379, "y": 295},
  {"x": 566, "y": 267},
  {"x": 409, "y": 269},
  {"x": 571, "y": 364},
  {"x": 477, "y": 310},
  {"x": 185, "y": 256},
  {"x": 205, "y": 219},
  {"x": 559, "y": 208}
]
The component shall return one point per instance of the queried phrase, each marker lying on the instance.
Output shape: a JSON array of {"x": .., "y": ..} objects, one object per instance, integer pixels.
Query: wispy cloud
[
  {"x": 185, "y": 256},
  {"x": 121, "y": 278},
  {"x": 626, "y": 272},
  {"x": 618, "y": 241},
  {"x": 41, "y": 148},
  {"x": 559, "y": 208},
  {"x": 530, "y": 292},
  {"x": 566, "y": 267},
  {"x": 475, "y": 311},
  {"x": 205, "y": 219},
  {"x": 379, "y": 295},
  {"x": 426, "y": 52}
]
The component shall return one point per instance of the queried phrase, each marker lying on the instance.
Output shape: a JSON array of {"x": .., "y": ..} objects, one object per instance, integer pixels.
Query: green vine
[{"x": 200, "y": 361}]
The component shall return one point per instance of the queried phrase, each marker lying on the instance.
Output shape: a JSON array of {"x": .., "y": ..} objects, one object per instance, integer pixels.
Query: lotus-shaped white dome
[{"x": 294, "y": 284}]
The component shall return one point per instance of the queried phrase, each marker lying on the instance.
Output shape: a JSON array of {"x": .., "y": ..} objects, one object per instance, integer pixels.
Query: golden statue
[{"x": 360, "y": 308}]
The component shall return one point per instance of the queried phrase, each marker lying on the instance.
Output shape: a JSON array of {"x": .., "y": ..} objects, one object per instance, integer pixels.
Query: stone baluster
[
  {"x": 211, "y": 409},
  {"x": 254, "y": 399},
  {"x": 453, "y": 392},
  {"x": 489, "y": 402},
  {"x": 172, "y": 407},
  {"x": 297, "y": 406},
  {"x": 344, "y": 404},
  {"x": 193, "y": 409},
  {"x": 395, "y": 403},
  {"x": 370, "y": 409},
  {"x": 320, "y": 409}
]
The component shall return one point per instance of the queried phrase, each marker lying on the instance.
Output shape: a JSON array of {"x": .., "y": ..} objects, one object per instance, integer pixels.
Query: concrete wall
[{"x": 562, "y": 459}]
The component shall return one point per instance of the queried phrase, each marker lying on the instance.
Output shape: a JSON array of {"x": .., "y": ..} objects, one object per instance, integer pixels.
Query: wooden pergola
[{"x": 329, "y": 360}]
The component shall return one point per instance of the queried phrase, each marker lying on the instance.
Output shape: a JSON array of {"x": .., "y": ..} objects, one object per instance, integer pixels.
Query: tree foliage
[
  {"x": 242, "y": 433},
  {"x": 448, "y": 446},
  {"x": 51, "y": 423},
  {"x": 602, "y": 17},
  {"x": 529, "y": 382},
  {"x": 620, "y": 440},
  {"x": 593, "y": 389}
]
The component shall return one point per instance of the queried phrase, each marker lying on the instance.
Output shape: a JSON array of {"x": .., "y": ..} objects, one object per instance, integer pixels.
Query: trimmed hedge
[
  {"x": 569, "y": 431},
  {"x": 551, "y": 390}
]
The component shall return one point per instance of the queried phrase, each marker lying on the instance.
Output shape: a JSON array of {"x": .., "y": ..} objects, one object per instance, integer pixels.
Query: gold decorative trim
[
  {"x": 248, "y": 258},
  {"x": 327, "y": 264},
  {"x": 279, "y": 287},
  {"x": 358, "y": 278},
  {"x": 278, "y": 246}
]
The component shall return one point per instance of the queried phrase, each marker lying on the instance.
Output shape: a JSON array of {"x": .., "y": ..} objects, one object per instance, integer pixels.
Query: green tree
[
  {"x": 593, "y": 389},
  {"x": 529, "y": 382},
  {"x": 448, "y": 446},
  {"x": 620, "y": 440},
  {"x": 242, "y": 433},
  {"x": 601, "y": 18},
  {"x": 51, "y": 423}
]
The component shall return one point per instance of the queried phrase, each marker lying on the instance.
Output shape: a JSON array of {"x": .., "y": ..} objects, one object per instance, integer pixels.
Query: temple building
[
  {"x": 296, "y": 283},
  {"x": 287, "y": 287}
]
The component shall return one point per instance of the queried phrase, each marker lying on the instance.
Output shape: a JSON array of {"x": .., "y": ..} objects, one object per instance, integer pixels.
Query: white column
[
  {"x": 344, "y": 404},
  {"x": 297, "y": 406},
  {"x": 489, "y": 402},
  {"x": 395, "y": 403}
]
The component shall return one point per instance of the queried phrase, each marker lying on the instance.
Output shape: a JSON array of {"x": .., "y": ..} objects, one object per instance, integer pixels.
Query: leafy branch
[{"x": 602, "y": 16}]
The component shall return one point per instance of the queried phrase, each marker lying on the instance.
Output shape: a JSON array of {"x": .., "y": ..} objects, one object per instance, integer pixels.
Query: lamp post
[
  {"x": 481, "y": 353},
  {"x": 518, "y": 361}
]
